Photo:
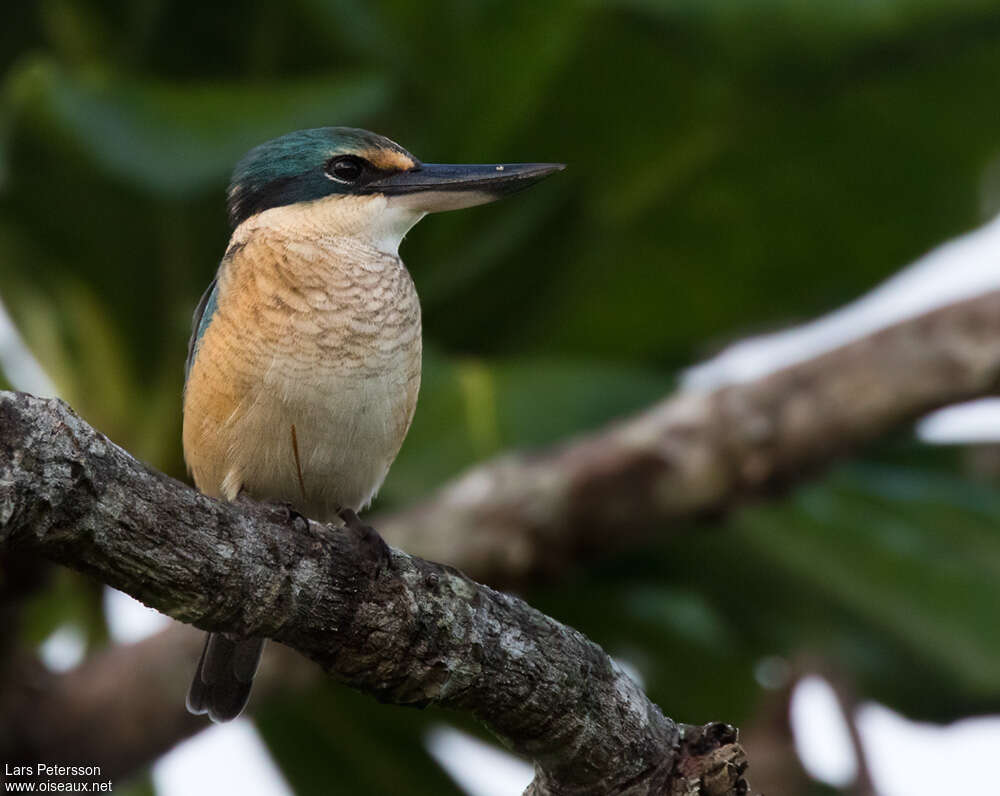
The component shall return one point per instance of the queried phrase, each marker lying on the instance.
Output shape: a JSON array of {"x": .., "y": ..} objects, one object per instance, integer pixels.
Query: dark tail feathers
[{"x": 221, "y": 686}]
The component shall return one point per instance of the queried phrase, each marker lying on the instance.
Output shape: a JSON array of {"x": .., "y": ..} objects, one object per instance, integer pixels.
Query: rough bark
[
  {"x": 398, "y": 627},
  {"x": 692, "y": 454}
]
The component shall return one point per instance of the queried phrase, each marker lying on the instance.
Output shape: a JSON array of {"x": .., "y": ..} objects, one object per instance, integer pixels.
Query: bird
[{"x": 304, "y": 361}]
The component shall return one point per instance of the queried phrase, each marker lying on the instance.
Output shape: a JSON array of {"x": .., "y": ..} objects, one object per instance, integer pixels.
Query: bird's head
[{"x": 365, "y": 176}]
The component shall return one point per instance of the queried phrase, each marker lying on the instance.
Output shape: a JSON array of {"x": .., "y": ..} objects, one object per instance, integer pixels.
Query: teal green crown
[{"x": 292, "y": 168}]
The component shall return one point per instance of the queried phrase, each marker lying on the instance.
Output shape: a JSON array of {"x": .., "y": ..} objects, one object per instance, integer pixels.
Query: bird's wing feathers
[{"x": 199, "y": 323}]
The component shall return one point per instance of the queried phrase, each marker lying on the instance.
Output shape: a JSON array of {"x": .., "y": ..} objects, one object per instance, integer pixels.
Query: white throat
[
  {"x": 391, "y": 226},
  {"x": 369, "y": 220}
]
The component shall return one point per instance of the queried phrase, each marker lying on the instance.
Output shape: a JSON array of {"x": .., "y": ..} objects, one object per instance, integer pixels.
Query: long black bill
[{"x": 444, "y": 186}]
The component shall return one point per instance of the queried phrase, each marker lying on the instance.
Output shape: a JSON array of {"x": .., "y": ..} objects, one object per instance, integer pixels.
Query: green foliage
[
  {"x": 336, "y": 742},
  {"x": 732, "y": 166},
  {"x": 173, "y": 140}
]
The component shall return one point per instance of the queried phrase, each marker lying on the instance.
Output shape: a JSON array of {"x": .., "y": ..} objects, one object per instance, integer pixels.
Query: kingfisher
[{"x": 304, "y": 361}]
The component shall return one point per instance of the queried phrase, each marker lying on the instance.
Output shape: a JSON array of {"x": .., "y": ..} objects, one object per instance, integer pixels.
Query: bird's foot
[
  {"x": 376, "y": 550},
  {"x": 283, "y": 511}
]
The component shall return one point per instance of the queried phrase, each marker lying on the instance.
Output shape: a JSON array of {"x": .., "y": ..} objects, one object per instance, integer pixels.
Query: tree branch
[
  {"x": 515, "y": 519},
  {"x": 398, "y": 627},
  {"x": 693, "y": 453}
]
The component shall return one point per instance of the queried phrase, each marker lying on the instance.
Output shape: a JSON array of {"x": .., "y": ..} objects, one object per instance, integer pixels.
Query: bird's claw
[
  {"x": 284, "y": 512},
  {"x": 374, "y": 545}
]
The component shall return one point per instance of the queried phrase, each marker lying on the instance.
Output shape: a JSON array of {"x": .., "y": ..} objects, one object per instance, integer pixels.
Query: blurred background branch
[{"x": 702, "y": 453}]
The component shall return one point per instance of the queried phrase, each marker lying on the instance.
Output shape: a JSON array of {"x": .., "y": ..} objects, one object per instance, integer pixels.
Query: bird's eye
[{"x": 345, "y": 168}]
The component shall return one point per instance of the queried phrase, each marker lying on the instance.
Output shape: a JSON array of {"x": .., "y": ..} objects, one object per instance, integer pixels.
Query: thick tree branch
[
  {"x": 696, "y": 453},
  {"x": 398, "y": 627},
  {"x": 693, "y": 453}
]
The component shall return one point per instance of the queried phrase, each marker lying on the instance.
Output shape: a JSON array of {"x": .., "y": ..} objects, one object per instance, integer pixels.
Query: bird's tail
[{"x": 221, "y": 685}]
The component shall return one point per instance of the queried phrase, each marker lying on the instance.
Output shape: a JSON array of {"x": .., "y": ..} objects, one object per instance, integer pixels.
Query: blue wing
[{"x": 199, "y": 323}]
